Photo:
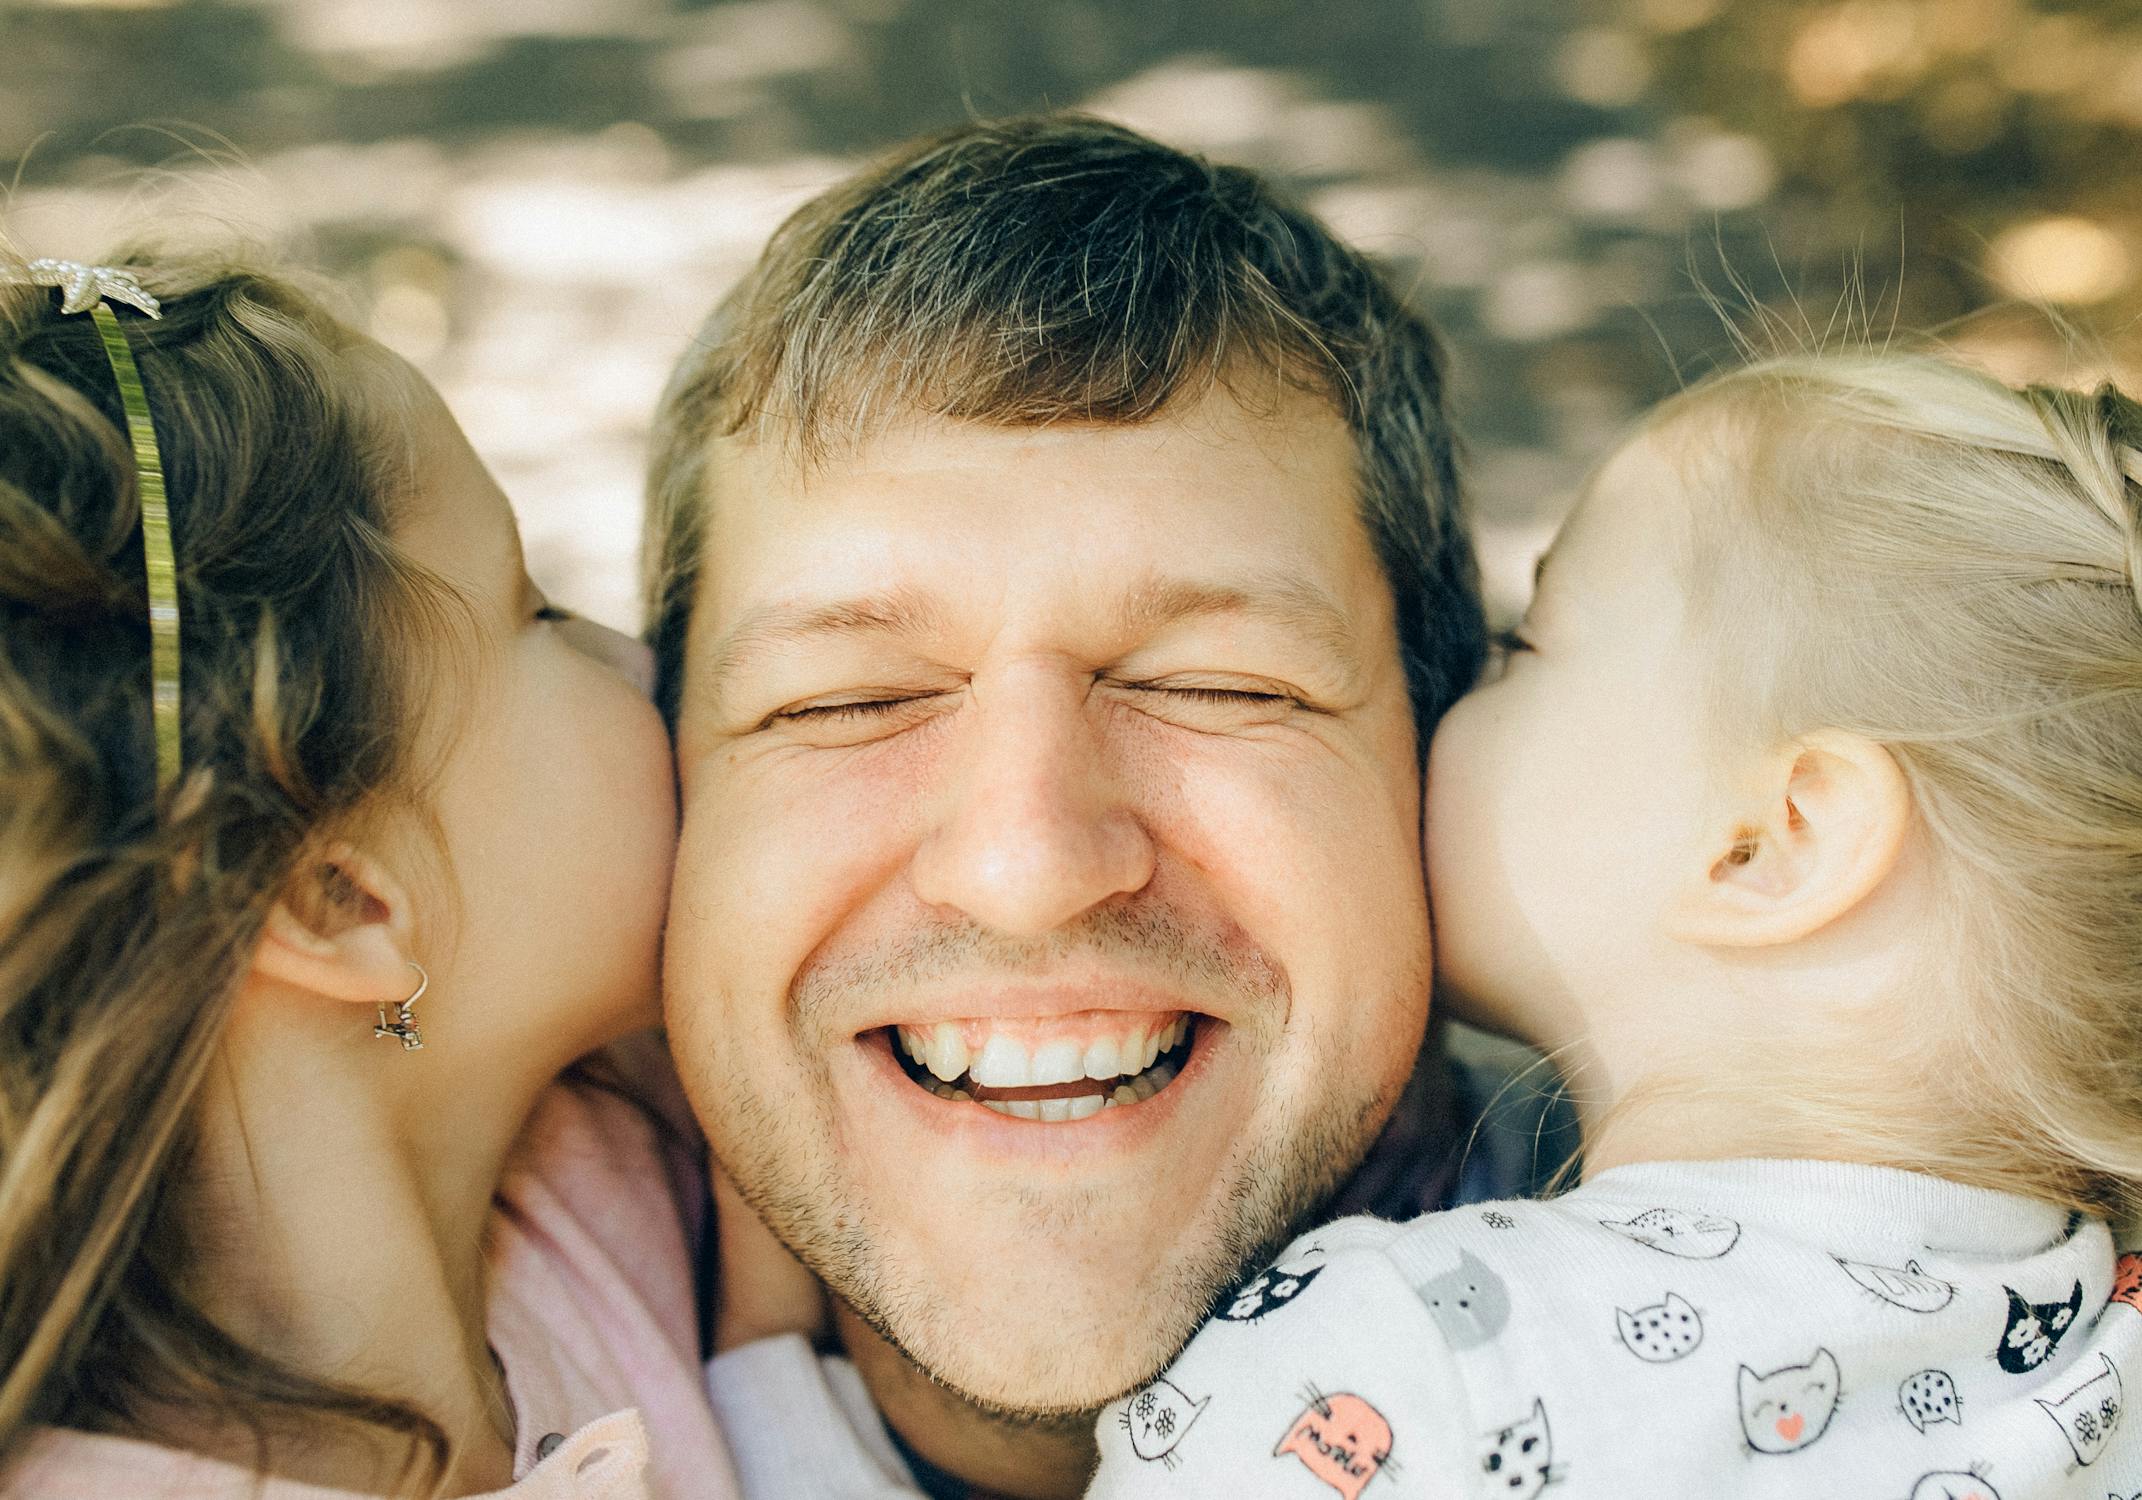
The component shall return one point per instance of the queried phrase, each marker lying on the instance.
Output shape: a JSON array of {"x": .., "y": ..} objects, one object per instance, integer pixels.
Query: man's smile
[
  {"x": 1053, "y": 1071},
  {"x": 1058, "y": 1128}
]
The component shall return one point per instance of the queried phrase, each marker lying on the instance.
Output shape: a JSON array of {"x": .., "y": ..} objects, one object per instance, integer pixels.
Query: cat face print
[
  {"x": 1518, "y": 1460},
  {"x": 1904, "y": 1286},
  {"x": 1340, "y": 1439},
  {"x": 1678, "y": 1231},
  {"x": 1270, "y": 1289},
  {"x": 2034, "y": 1330},
  {"x": 2089, "y": 1412},
  {"x": 1929, "y": 1397},
  {"x": 1789, "y": 1408},
  {"x": 1470, "y": 1304},
  {"x": 2127, "y": 1282},
  {"x": 1156, "y": 1419},
  {"x": 1661, "y": 1333}
]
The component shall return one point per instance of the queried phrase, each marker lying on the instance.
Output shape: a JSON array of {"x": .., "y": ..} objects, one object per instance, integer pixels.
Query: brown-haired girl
[
  {"x": 326, "y": 844},
  {"x": 1804, "y": 825}
]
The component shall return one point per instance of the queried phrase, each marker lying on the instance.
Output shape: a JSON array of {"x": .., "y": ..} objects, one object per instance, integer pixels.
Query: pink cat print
[
  {"x": 2127, "y": 1280},
  {"x": 1340, "y": 1439}
]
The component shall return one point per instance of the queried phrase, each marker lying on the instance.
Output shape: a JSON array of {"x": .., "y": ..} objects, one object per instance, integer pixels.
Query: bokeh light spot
[
  {"x": 1604, "y": 67},
  {"x": 2065, "y": 258}
]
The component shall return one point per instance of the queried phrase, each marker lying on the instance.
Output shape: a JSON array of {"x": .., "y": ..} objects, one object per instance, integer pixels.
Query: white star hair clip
[{"x": 83, "y": 287}]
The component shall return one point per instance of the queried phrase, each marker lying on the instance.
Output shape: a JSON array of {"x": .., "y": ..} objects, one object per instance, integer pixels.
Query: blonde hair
[
  {"x": 125, "y": 927},
  {"x": 1907, "y": 549}
]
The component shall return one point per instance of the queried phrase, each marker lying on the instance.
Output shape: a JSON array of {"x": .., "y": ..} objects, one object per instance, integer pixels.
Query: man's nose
[{"x": 1035, "y": 827}]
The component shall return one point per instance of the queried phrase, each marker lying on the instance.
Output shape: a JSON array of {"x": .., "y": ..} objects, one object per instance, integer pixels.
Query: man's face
[{"x": 1078, "y": 761}]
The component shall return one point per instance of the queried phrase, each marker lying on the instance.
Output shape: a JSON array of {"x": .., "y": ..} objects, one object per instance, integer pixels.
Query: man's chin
[
  {"x": 1024, "y": 1409},
  {"x": 1039, "y": 1270},
  {"x": 1053, "y": 1316},
  {"x": 1041, "y": 1267},
  {"x": 1019, "y": 1375}
]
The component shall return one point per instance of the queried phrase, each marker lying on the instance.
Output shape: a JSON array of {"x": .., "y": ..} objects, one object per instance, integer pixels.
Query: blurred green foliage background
[{"x": 536, "y": 200}]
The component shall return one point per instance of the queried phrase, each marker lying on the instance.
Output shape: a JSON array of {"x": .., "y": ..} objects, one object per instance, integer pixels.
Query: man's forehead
[
  {"x": 1211, "y": 489},
  {"x": 1210, "y": 478}
]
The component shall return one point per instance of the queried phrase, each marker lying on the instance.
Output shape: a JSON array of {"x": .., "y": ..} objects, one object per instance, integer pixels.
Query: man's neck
[{"x": 966, "y": 1453}]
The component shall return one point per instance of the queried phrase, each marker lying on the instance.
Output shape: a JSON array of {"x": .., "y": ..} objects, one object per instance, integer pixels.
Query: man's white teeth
[
  {"x": 1144, "y": 1086},
  {"x": 1004, "y": 1063},
  {"x": 1104, "y": 1059},
  {"x": 946, "y": 1055},
  {"x": 1079, "y": 1106}
]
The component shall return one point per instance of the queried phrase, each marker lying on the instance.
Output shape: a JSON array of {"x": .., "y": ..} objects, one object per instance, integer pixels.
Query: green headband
[{"x": 93, "y": 289}]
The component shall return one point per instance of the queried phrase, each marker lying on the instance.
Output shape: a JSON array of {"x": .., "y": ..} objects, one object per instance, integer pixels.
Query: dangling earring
[{"x": 404, "y": 1025}]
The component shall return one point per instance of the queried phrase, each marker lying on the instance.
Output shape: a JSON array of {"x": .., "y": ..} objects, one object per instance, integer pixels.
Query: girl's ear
[
  {"x": 341, "y": 932},
  {"x": 1830, "y": 821}
]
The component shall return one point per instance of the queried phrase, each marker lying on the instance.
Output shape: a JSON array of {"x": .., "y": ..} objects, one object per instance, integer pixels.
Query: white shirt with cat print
[{"x": 1798, "y": 1329}]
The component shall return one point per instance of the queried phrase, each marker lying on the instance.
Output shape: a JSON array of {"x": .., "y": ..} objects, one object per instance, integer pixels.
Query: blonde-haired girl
[
  {"x": 1804, "y": 825},
  {"x": 326, "y": 843}
]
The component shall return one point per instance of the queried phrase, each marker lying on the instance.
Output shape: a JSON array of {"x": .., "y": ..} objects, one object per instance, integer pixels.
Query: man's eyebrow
[
  {"x": 1295, "y": 604},
  {"x": 898, "y": 612}
]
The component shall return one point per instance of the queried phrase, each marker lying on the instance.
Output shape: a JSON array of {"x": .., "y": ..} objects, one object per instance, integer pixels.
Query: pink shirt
[{"x": 592, "y": 1315}]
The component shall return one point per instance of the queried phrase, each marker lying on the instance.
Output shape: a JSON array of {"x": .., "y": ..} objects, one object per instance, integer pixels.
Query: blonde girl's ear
[
  {"x": 340, "y": 932},
  {"x": 1824, "y": 829}
]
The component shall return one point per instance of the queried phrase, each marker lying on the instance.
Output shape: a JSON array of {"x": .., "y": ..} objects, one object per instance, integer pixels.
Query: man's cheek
[
  {"x": 765, "y": 855},
  {"x": 1278, "y": 840},
  {"x": 732, "y": 939}
]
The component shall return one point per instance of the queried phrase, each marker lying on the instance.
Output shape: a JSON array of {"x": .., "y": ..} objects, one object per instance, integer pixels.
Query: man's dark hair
[{"x": 1058, "y": 268}]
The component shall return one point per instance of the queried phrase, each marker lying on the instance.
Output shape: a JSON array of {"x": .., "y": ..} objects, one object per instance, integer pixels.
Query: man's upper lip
[{"x": 1027, "y": 999}]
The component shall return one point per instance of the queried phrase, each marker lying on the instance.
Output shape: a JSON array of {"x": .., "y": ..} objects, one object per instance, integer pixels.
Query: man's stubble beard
[
  {"x": 1280, "y": 1185},
  {"x": 1273, "y": 1186}
]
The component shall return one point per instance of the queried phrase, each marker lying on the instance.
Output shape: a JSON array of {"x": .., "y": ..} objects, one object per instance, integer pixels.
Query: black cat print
[{"x": 2034, "y": 1330}]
